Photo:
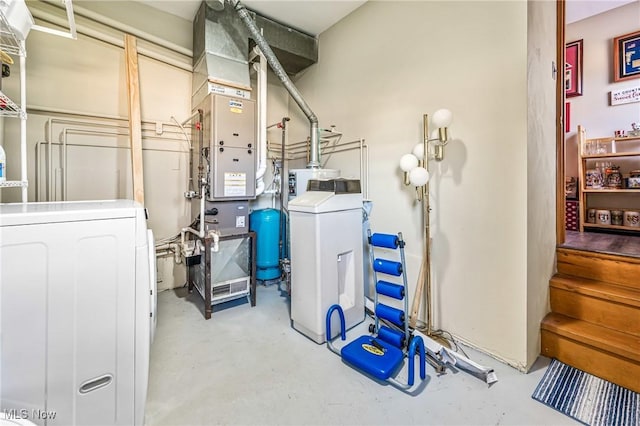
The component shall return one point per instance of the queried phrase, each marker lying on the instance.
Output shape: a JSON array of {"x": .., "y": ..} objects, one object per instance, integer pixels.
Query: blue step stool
[{"x": 382, "y": 356}]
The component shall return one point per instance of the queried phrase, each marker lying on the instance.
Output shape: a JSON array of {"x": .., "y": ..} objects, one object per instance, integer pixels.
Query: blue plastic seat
[
  {"x": 361, "y": 354},
  {"x": 373, "y": 356}
]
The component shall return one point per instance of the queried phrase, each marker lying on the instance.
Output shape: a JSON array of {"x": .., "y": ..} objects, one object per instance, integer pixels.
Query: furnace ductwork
[{"x": 221, "y": 43}]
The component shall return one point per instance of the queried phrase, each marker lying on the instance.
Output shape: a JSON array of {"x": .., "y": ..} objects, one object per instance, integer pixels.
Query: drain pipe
[{"x": 244, "y": 14}]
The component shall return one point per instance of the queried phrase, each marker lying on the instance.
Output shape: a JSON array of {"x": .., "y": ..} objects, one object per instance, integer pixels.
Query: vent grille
[
  {"x": 229, "y": 289},
  {"x": 222, "y": 290},
  {"x": 238, "y": 287}
]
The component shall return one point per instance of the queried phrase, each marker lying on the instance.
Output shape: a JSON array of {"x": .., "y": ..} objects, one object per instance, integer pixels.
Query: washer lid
[{"x": 65, "y": 211}]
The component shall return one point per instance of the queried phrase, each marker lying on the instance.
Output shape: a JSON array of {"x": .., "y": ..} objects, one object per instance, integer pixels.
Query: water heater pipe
[
  {"x": 261, "y": 69},
  {"x": 244, "y": 14},
  {"x": 198, "y": 233}
]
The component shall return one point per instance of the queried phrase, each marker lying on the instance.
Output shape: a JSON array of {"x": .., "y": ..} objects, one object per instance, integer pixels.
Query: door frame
[{"x": 560, "y": 110}]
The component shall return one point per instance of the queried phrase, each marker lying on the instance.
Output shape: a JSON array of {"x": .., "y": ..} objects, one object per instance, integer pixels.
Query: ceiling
[
  {"x": 315, "y": 16},
  {"x": 576, "y": 10},
  {"x": 310, "y": 16}
]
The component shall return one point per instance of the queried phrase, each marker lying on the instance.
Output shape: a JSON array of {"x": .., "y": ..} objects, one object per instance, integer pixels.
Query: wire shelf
[
  {"x": 14, "y": 184},
  {"x": 8, "y": 108},
  {"x": 8, "y": 41}
]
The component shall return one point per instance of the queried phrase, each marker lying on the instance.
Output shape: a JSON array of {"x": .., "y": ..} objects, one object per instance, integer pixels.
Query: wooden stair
[{"x": 594, "y": 324}]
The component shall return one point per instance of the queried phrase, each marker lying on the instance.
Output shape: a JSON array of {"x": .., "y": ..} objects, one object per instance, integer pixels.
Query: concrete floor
[{"x": 248, "y": 366}]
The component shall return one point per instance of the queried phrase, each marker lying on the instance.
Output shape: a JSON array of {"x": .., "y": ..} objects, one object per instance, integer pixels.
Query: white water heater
[{"x": 326, "y": 256}]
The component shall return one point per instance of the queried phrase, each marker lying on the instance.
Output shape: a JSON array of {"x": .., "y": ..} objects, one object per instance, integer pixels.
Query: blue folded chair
[{"x": 381, "y": 355}]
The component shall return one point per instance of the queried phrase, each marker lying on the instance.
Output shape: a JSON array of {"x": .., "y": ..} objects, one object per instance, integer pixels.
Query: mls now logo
[
  {"x": 14, "y": 414},
  {"x": 23, "y": 413}
]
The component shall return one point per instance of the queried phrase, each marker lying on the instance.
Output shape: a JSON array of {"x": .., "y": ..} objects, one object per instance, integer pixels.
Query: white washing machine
[
  {"x": 77, "y": 299},
  {"x": 326, "y": 256}
]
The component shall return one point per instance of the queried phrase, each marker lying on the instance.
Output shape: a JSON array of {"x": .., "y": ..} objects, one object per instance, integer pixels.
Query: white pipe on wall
[
  {"x": 82, "y": 11},
  {"x": 53, "y": 31},
  {"x": 261, "y": 68},
  {"x": 199, "y": 233},
  {"x": 23, "y": 124},
  {"x": 66, "y": 131},
  {"x": 115, "y": 41}
]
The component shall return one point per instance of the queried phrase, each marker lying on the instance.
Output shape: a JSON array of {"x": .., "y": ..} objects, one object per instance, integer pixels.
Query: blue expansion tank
[{"x": 266, "y": 224}]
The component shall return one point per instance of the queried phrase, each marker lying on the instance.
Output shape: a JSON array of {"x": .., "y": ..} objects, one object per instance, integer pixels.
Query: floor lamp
[{"x": 415, "y": 167}]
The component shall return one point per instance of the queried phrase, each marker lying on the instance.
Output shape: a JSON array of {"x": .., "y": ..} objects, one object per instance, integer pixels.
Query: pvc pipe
[
  {"x": 215, "y": 247},
  {"x": 38, "y": 150},
  {"x": 261, "y": 69},
  {"x": 65, "y": 133},
  {"x": 36, "y": 169},
  {"x": 49, "y": 133},
  {"x": 199, "y": 233},
  {"x": 68, "y": 4},
  {"x": 72, "y": 34},
  {"x": 262, "y": 123},
  {"x": 50, "y": 158},
  {"x": 49, "y": 141},
  {"x": 115, "y": 41},
  {"x": 23, "y": 124},
  {"x": 282, "y": 240},
  {"x": 34, "y": 109},
  {"x": 89, "y": 145},
  {"x": 132, "y": 30},
  {"x": 259, "y": 187},
  {"x": 189, "y": 119},
  {"x": 53, "y": 31}
]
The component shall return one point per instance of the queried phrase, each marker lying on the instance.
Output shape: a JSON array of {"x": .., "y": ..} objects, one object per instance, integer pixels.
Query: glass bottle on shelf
[
  {"x": 613, "y": 177},
  {"x": 593, "y": 178}
]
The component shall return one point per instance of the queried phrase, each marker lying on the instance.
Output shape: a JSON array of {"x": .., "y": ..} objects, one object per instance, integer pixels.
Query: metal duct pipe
[
  {"x": 216, "y": 5},
  {"x": 314, "y": 163}
]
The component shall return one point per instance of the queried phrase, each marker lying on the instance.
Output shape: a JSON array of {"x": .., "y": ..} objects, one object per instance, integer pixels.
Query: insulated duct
[
  {"x": 216, "y": 5},
  {"x": 284, "y": 78}
]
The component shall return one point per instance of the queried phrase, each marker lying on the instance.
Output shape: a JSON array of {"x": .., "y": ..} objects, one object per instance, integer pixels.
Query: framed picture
[
  {"x": 573, "y": 69},
  {"x": 626, "y": 57},
  {"x": 567, "y": 117}
]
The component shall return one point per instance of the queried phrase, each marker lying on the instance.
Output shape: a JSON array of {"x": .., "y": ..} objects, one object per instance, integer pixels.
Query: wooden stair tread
[
  {"x": 615, "y": 342},
  {"x": 604, "y": 256},
  {"x": 593, "y": 288},
  {"x": 614, "y": 269}
]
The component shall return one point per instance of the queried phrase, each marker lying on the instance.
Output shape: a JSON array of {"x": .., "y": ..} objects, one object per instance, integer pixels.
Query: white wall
[
  {"x": 592, "y": 109},
  {"x": 541, "y": 167},
  {"x": 380, "y": 69}
]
